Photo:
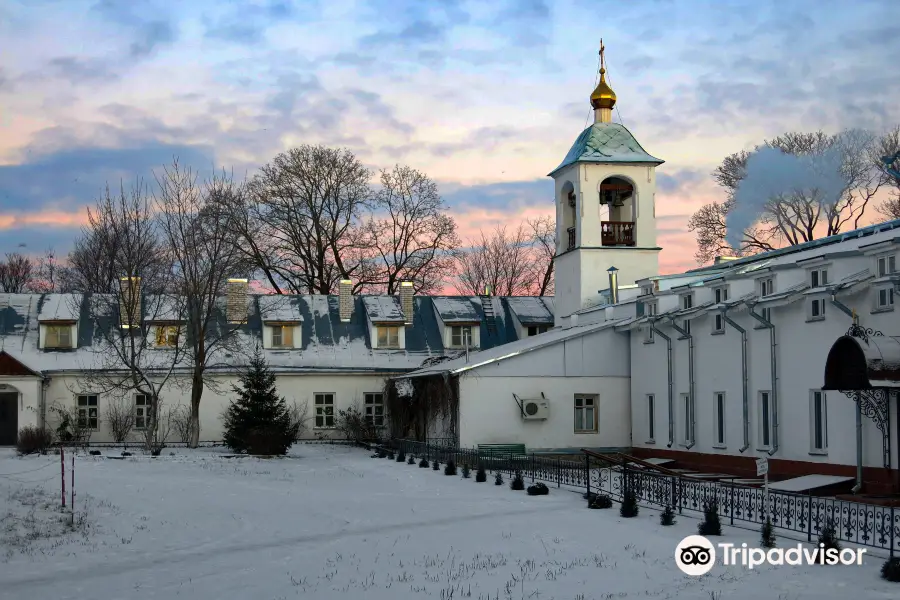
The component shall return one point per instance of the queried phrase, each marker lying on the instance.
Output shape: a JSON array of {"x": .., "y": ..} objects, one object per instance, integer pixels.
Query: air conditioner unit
[{"x": 535, "y": 409}]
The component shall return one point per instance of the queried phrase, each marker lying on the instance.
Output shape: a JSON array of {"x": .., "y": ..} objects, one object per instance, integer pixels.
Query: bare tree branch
[
  {"x": 500, "y": 265},
  {"x": 16, "y": 273}
]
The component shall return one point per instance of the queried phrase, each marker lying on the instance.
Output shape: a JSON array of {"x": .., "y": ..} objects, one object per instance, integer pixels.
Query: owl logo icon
[{"x": 695, "y": 555}]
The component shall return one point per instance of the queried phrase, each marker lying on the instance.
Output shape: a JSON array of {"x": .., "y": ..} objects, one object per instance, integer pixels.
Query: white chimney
[
  {"x": 345, "y": 300},
  {"x": 406, "y": 301},
  {"x": 129, "y": 302},
  {"x": 236, "y": 300}
]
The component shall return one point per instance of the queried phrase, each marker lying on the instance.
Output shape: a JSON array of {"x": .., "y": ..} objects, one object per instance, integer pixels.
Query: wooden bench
[{"x": 501, "y": 450}]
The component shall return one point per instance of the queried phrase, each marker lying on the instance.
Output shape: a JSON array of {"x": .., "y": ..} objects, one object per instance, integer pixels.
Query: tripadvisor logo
[{"x": 695, "y": 555}]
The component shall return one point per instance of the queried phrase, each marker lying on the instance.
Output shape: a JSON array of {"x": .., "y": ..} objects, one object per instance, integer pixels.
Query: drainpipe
[
  {"x": 843, "y": 308},
  {"x": 45, "y": 383},
  {"x": 671, "y": 383},
  {"x": 692, "y": 401},
  {"x": 744, "y": 389},
  {"x": 859, "y": 444},
  {"x": 772, "y": 348}
]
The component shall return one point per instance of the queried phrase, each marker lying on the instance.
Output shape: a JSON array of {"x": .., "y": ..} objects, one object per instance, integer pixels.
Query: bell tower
[{"x": 605, "y": 192}]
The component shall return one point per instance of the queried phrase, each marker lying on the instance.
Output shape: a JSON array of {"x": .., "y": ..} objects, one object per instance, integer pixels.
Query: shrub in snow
[
  {"x": 481, "y": 474},
  {"x": 517, "y": 482},
  {"x": 667, "y": 517},
  {"x": 450, "y": 469},
  {"x": 411, "y": 460},
  {"x": 538, "y": 489},
  {"x": 33, "y": 439},
  {"x": 600, "y": 501},
  {"x": 828, "y": 537},
  {"x": 423, "y": 463},
  {"x": 258, "y": 421},
  {"x": 436, "y": 465},
  {"x": 390, "y": 455},
  {"x": 95, "y": 453},
  {"x": 465, "y": 471},
  {"x": 382, "y": 453},
  {"x": 710, "y": 524},
  {"x": 498, "y": 480},
  {"x": 629, "y": 506},
  {"x": 890, "y": 570},
  {"x": 401, "y": 457},
  {"x": 767, "y": 534}
]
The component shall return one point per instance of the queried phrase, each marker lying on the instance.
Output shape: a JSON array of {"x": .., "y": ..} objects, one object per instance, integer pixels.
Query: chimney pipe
[
  {"x": 129, "y": 302},
  {"x": 345, "y": 300},
  {"x": 236, "y": 301},
  {"x": 406, "y": 301},
  {"x": 613, "y": 285}
]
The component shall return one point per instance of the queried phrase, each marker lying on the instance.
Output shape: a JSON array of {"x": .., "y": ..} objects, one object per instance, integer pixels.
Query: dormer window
[
  {"x": 720, "y": 295},
  {"x": 461, "y": 336},
  {"x": 650, "y": 309},
  {"x": 818, "y": 278},
  {"x": 167, "y": 336},
  {"x": 646, "y": 290},
  {"x": 886, "y": 265},
  {"x": 537, "y": 329},
  {"x": 766, "y": 288},
  {"x": 388, "y": 336},
  {"x": 282, "y": 336},
  {"x": 884, "y": 298},
  {"x": 687, "y": 302},
  {"x": 58, "y": 336}
]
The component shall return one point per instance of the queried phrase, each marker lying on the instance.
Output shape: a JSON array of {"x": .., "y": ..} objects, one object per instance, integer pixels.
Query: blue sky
[{"x": 486, "y": 97}]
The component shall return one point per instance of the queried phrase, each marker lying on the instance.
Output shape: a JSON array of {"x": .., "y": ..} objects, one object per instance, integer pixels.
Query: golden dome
[{"x": 603, "y": 96}]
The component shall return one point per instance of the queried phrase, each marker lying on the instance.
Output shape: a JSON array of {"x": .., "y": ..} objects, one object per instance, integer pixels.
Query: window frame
[
  {"x": 886, "y": 293},
  {"x": 816, "y": 310},
  {"x": 651, "y": 309},
  {"x": 720, "y": 424},
  {"x": 372, "y": 418},
  {"x": 818, "y": 277},
  {"x": 321, "y": 410},
  {"x": 462, "y": 336},
  {"x": 280, "y": 330},
  {"x": 58, "y": 329},
  {"x": 765, "y": 420},
  {"x": 83, "y": 412},
  {"x": 651, "y": 418},
  {"x": 165, "y": 339},
  {"x": 143, "y": 411},
  {"x": 883, "y": 266},
  {"x": 387, "y": 329},
  {"x": 589, "y": 402},
  {"x": 818, "y": 428},
  {"x": 538, "y": 330}
]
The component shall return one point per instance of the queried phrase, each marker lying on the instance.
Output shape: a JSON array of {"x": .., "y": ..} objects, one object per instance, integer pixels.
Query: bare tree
[
  {"x": 408, "y": 237},
  {"x": 120, "y": 418},
  {"x": 795, "y": 214},
  {"x": 544, "y": 244},
  {"x": 886, "y": 154},
  {"x": 502, "y": 264},
  {"x": 16, "y": 273},
  {"x": 205, "y": 253},
  {"x": 183, "y": 424}
]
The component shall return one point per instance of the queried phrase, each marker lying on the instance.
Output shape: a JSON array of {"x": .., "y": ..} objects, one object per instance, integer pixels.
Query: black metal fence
[{"x": 854, "y": 522}]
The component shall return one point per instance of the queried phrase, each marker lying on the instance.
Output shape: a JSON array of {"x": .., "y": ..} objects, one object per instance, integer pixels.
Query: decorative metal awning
[{"x": 864, "y": 365}]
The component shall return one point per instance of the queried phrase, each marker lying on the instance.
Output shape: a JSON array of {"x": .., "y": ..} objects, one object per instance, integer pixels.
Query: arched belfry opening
[
  {"x": 569, "y": 203},
  {"x": 619, "y": 197}
]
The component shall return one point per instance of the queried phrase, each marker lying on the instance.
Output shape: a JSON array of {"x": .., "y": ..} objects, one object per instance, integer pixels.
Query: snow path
[{"x": 330, "y": 522}]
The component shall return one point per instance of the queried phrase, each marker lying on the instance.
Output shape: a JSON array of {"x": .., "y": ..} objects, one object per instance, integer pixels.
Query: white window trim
[
  {"x": 650, "y": 309},
  {"x": 716, "y": 417},
  {"x": 810, "y": 317},
  {"x": 373, "y": 405},
  {"x": 324, "y": 413},
  {"x": 759, "y": 420},
  {"x": 387, "y": 345},
  {"x": 822, "y": 281},
  {"x": 86, "y": 408},
  {"x": 596, "y": 406},
  {"x": 462, "y": 335},
  {"x": 886, "y": 258},
  {"x": 823, "y": 451},
  {"x": 146, "y": 408},
  {"x": 650, "y": 406},
  {"x": 891, "y": 296}
]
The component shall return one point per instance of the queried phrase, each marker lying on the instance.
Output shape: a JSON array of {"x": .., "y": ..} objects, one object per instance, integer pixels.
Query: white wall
[{"x": 28, "y": 404}]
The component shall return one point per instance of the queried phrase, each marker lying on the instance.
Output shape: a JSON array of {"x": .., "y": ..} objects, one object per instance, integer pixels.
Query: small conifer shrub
[
  {"x": 828, "y": 538},
  {"x": 710, "y": 524},
  {"x": 390, "y": 455},
  {"x": 411, "y": 460},
  {"x": 382, "y": 453},
  {"x": 538, "y": 489},
  {"x": 600, "y": 501},
  {"x": 401, "y": 457},
  {"x": 423, "y": 464},
  {"x": 629, "y": 506},
  {"x": 890, "y": 570},
  {"x": 450, "y": 469},
  {"x": 480, "y": 474},
  {"x": 498, "y": 479},
  {"x": 767, "y": 534},
  {"x": 465, "y": 471},
  {"x": 667, "y": 517},
  {"x": 517, "y": 482},
  {"x": 435, "y": 465}
]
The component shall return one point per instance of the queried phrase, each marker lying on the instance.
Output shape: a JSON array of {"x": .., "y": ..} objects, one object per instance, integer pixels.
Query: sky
[{"x": 485, "y": 97}]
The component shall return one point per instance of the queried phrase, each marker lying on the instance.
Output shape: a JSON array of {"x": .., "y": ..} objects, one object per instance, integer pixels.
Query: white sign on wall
[{"x": 762, "y": 466}]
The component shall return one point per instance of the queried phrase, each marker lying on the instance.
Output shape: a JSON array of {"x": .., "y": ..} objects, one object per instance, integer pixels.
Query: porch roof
[{"x": 862, "y": 360}]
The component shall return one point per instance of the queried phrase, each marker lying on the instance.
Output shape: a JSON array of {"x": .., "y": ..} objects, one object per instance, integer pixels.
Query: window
[
  {"x": 324, "y": 410},
  {"x": 885, "y": 298},
  {"x": 818, "y": 278},
  {"x": 818, "y": 419},
  {"x": 388, "y": 336},
  {"x": 688, "y": 419},
  {"x": 887, "y": 265},
  {"x": 461, "y": 336},
  {"x": 585, "y": 413},
  {"x": 817, "y": 309},
  {"x": 646, "y": 290},
  {"x": 766, "y": 288},
  {"x": 537, "y": 329},
  {"x": 719, "y": 415},
  {"x": 765, "y": 420},
  {"x": 282, "y": 336},
  {"x": 167, "y": 336},
  {"x": 142, "y": 411},
  {"x": 374, "y": 405},
  {"x": 687, "y": 301},
  {"x": 650, "y": 308},
  {"x": 651, "y": 417},
  {"x": 58, "y": 336},
  {"x": 87, "y": 411},
  {"x": 720, "y": 295}
]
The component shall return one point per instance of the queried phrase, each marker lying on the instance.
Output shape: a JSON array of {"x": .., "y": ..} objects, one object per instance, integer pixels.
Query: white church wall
[
  {"x": 28, "y": 401},
  {"x": 489, "y": 413}
]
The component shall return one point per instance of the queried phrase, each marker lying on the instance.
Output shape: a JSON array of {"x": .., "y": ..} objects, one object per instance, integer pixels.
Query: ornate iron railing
[{"x": 571, "y": 239}]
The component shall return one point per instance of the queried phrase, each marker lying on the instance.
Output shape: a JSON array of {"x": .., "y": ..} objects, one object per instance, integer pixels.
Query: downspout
[
  {"x": 859, "y": 443},
  {"x": 744, "y": 389},
  {"x": 692, "y": 400},
  {"x": 671, "y": 383},
  {"x": 774, "y": 364},
  {"x": 45, "y": 383}
]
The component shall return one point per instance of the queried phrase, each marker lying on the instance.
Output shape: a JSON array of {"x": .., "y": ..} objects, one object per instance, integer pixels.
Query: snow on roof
[
  {"x": 531, "y": 310},
  {"x": 606, "y": 143},
  {"x": 163, "y": 308},
  {"x": 383, "y": 309},
  {"x": 278, "y": 308},
  {"x": 457, "y": 309},
  {"x": 60, "y": 307}
]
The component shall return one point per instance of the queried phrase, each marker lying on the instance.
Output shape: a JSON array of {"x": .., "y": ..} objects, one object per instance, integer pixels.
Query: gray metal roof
[{"x": 606, "y": 143}]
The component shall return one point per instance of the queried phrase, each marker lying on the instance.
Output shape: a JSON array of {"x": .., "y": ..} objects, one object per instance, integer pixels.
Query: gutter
[
  {"x": 745, "y": 374},
  {"x": 671, "y": 383},
  {"x": 774, "y": 366},
  {"x": 691, "y": 400}
]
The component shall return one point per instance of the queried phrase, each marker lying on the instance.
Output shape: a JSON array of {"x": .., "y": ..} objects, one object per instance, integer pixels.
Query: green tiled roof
[{"x": 606, "y": 143}]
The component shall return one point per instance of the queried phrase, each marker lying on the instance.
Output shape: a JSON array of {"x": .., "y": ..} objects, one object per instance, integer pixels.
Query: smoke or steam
[{"x": 771, "y": 174}]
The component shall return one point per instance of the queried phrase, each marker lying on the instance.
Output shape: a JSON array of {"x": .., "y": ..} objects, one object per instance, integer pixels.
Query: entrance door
[{"x": 9, "y": 418}]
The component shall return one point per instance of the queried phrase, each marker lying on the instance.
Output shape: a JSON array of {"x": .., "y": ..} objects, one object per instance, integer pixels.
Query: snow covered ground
[{"x": 330, "y": 522}]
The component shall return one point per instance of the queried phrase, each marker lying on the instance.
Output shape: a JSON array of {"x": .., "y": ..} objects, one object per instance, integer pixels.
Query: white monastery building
[{"x": 793, "y": 355}]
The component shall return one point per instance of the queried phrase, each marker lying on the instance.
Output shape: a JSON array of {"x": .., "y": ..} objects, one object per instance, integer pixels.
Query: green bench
[{"x": 502, "y": 450}]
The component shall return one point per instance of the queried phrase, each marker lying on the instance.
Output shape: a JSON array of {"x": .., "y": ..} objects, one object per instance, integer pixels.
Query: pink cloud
[{"x": 50, "y": 218}]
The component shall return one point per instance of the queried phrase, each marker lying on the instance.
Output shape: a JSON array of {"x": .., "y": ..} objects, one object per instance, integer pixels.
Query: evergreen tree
[
  {"x": 629, "y": 506},
  {"x": 259, "y": 421},
  {"x": 828, "y": 538},
  {"x": 667, "y": 517},
  {"x": 768, "y": 534},
  {"x": 498, "y": 479},
  {"x": 711, "y": 524},
  {"x": 481, "y": 474}
]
